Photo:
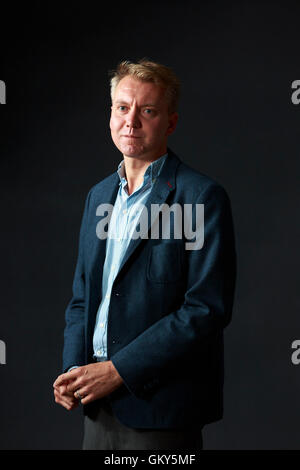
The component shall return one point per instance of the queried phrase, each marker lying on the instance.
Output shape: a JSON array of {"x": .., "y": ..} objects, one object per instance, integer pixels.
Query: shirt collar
[{"x": 151, "y": 173}]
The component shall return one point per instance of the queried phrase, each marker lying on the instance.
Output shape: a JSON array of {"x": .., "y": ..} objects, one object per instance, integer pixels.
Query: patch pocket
[{"x": 165, "y": 263}]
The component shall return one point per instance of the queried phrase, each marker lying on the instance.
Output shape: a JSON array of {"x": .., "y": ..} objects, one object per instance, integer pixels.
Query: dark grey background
[{"x": 237, "y": 61}]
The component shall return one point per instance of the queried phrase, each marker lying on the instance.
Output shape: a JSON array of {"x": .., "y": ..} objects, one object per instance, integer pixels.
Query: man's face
[{"x": 140, "y": 122}]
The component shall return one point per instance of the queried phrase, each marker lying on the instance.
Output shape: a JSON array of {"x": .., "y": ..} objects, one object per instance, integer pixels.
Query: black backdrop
[{"x": 238, "y": 124}]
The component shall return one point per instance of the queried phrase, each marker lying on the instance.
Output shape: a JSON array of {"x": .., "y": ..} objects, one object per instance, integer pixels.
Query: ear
[{"x": 173, "y": 119}]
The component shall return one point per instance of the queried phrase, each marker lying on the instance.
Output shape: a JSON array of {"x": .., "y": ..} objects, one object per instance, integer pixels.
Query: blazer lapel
[
  {"x": 163, "y": 186},
  {"x": 108, "y": 196}
]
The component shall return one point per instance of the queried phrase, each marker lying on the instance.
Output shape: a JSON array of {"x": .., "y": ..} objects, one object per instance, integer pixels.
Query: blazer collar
[{"x": 164, "y": 184}]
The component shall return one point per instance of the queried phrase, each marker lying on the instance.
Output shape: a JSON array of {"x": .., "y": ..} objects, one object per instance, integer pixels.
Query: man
[{"x": 143, "y": 348}]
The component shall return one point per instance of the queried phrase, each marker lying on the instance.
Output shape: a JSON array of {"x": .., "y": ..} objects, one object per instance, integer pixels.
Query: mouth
[{"x": 130, "y": 136}]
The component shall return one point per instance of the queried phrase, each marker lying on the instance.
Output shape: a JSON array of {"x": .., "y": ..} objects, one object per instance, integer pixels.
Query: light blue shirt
[{"x": 124, "y": 218}]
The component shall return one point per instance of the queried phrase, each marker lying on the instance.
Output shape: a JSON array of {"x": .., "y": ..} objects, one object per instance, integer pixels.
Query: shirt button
[
  {"x": 99, "y": 352},
  {"x": 125, "y": 211},
  {"x": 107, "y": 296},
  {"x": 102, "y": 325}
]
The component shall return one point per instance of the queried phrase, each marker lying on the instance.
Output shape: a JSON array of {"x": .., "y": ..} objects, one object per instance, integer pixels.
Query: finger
[
  {"x": 73, "y": 386},
  {"x": 65, "y": 403},
  {"x": 61, "y": 379},
  {"x": 62, "y": 388},
  {"x": 66, "y": 397},
  {"x": 87, "y": 399},
  {"x": 74, "y": 404},
  {"x": 89, "y": 395},
  {"x": 68, "y": 404},
  {"x": 65, "y": 393},
  {"x": 61, "y": 398},
  {"x": 66, "y": 377},
  {"x": 81, "y": 392}
]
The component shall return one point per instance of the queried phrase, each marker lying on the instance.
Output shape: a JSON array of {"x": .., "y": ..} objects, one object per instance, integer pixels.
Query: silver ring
[{"x": 77, "y": 394}]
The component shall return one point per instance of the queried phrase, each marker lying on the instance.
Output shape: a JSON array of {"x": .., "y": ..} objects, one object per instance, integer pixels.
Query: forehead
[{"x": 130, "y": 88}]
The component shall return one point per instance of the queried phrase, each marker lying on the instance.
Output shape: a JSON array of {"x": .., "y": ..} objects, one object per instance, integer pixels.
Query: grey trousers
[{"x": 105, "y": 432}]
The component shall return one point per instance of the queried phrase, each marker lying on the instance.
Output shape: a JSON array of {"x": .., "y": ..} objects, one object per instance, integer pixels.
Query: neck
[{"x": 135, "y": 169}]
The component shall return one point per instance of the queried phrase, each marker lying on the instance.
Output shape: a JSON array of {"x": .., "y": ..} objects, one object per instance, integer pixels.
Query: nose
[{"x": 132, "y": 121}]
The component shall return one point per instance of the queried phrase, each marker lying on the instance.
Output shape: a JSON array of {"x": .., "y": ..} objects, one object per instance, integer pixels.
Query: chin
[{"x": 132, "y": 151}]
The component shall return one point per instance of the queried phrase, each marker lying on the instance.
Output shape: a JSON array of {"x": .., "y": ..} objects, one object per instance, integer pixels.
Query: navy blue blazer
[{"x": 168, "y": 307}]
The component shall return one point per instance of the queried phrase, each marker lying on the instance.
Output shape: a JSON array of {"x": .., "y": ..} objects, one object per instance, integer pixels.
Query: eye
[{"x": 148, "y": 111}]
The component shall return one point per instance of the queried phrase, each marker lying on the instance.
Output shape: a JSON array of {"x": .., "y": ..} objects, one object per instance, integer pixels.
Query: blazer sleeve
[
  {"x": 207, "y": 306},
  {"x": 74, "y": 337}
]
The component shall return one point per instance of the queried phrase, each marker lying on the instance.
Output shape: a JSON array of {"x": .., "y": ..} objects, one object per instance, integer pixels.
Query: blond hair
[{"x": 148, "y": 71}]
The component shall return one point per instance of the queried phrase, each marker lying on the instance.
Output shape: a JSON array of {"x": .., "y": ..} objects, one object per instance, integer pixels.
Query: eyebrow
[{"x": 147, "y": 105}]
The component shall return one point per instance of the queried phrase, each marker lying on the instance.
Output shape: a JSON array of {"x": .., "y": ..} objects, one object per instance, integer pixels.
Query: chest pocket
[{"x": 165, "y": 263}]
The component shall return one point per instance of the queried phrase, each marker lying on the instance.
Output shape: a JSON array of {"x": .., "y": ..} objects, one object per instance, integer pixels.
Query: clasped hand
[{"x": 86, "y": 384}]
